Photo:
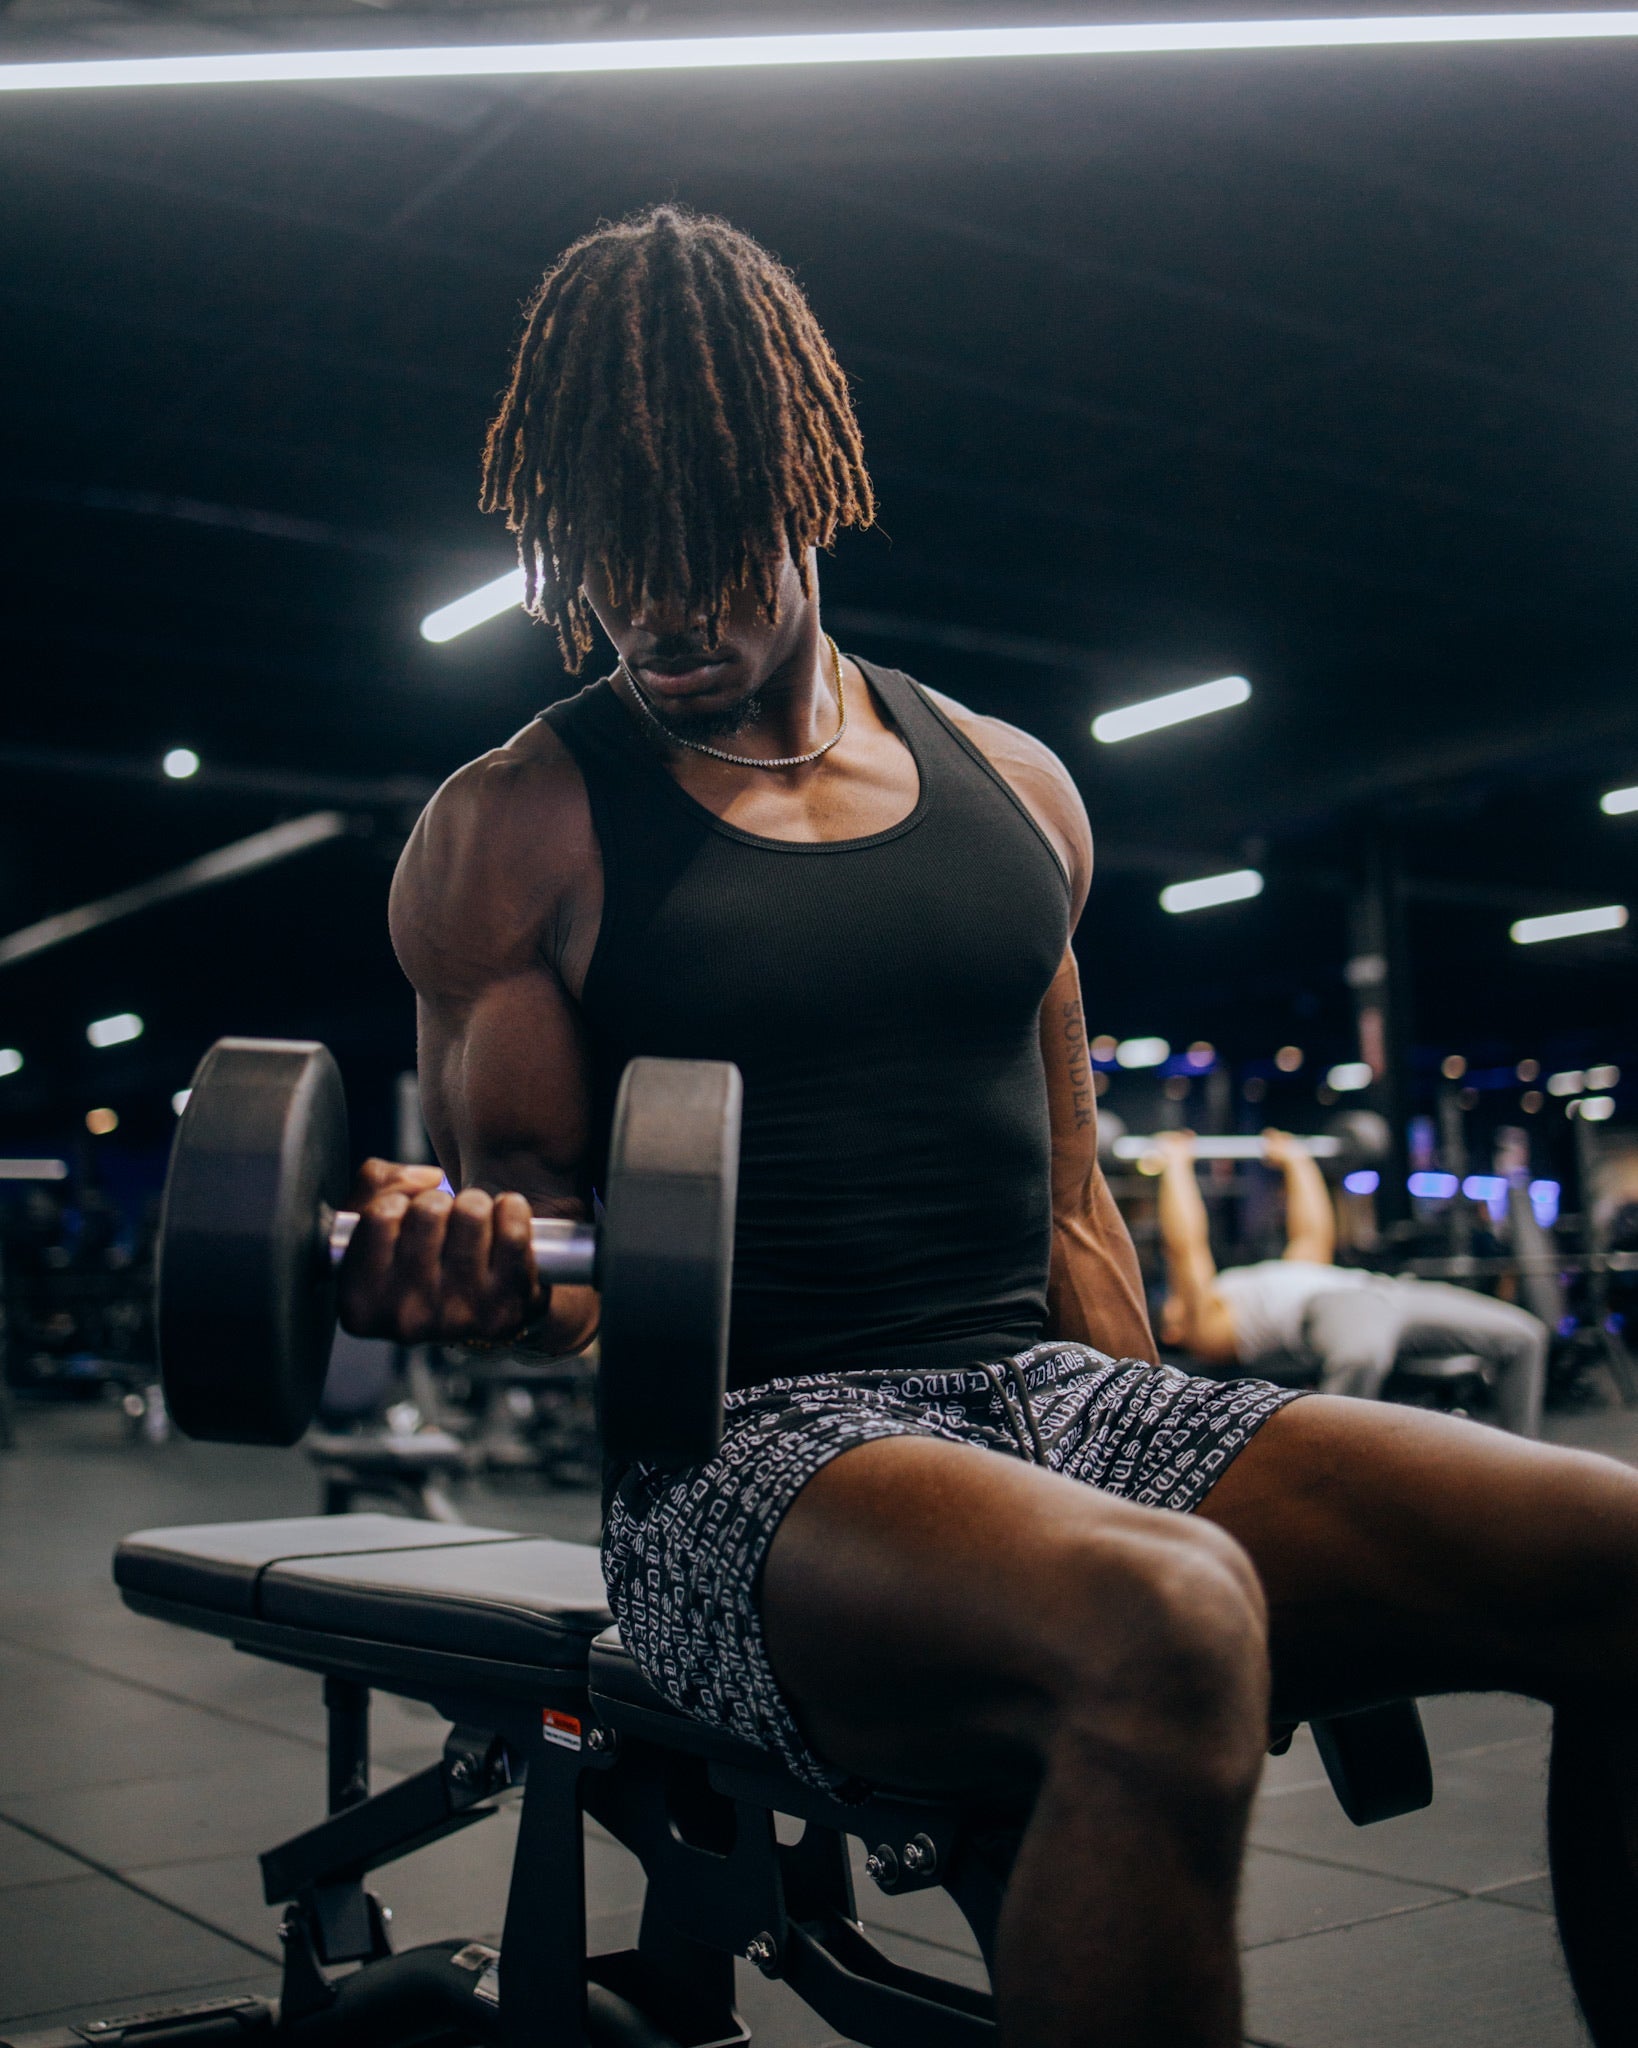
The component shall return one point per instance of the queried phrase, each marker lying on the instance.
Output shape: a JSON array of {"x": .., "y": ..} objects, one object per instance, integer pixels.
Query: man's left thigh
[{"x": 1408, "y": 1552}]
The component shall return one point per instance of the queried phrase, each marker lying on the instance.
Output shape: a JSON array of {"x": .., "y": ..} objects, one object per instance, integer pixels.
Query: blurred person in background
[{"x": 1304, "y": 1311}]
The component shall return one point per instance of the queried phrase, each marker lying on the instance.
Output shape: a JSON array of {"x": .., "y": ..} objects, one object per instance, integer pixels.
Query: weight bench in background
[{"x": 507, "y": 1637}]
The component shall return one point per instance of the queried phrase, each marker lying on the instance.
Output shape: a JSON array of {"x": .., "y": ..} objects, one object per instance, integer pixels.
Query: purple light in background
[
  {"x": 1433, "y": 1187},
  {"x": 1544, "y": 1201},
  {"x": 1365, "y": 1182}
]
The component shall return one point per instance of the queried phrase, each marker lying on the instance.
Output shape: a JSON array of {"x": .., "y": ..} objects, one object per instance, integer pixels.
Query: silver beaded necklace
[{"x": 745, "y": 760}]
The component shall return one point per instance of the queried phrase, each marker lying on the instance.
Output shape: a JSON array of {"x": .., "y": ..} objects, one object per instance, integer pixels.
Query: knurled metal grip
[{"x": 564, "y": 1250}]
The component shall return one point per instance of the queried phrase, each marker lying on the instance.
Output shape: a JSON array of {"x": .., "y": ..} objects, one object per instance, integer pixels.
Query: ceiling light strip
[{"x": 869, "y": 46}]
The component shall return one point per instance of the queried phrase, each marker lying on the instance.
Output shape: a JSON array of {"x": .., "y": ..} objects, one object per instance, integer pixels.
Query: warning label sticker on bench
[{"x": 563, "y": 1729}]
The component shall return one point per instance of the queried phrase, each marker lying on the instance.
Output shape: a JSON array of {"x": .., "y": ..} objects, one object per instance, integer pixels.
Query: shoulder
[
  {"x": 492, "y": 859},
  {"x": 1038, "y": 779}
]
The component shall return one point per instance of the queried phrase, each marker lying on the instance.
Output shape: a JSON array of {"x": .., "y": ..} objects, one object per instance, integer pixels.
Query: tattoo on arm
[{"x": 1080, "y": 1073}]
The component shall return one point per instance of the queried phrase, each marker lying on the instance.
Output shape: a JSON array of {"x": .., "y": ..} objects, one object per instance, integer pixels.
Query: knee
[{"x": 1161, "y": 1661}]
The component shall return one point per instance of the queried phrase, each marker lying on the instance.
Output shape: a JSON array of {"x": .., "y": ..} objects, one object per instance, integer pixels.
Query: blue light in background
[
  {"x": 1365, "y": 1182},
  {"x": 1544, "y": 1196},
  {"x": 1433, "y": 1187}
]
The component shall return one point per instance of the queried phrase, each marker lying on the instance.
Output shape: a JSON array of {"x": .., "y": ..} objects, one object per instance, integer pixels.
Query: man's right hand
[{"x": 425, "y": 1266}]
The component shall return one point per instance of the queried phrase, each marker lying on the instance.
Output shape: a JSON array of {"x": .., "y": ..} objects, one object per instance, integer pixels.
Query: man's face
[{"x": 697, "y": 688}]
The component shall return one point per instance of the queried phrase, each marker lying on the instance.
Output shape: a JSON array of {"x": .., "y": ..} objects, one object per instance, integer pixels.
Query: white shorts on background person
[{"x": 1356, "y": 1326}]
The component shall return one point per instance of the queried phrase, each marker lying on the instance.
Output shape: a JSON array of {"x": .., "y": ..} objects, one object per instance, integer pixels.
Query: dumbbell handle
[{"x": 564, "y": 1250}]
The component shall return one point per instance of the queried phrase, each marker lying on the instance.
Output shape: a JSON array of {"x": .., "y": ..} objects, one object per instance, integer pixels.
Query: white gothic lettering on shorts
[{"x": 683, "y": 1552}]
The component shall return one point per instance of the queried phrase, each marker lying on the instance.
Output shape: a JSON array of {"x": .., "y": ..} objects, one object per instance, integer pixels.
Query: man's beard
[{"x": 720, "y": 724}]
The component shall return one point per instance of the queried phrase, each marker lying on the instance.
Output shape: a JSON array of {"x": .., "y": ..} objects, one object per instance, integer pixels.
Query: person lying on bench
[
  {"x": 963, "y": 1532},
  {"x": 1352, "y": 1326}
]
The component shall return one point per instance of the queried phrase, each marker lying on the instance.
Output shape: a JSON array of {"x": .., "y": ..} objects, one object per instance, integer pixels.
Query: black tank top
[{"x": 881, "y": 997}]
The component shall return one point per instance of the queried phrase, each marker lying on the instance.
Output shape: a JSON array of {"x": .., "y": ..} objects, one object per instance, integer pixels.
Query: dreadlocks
[{"x": 676, "y": 420}]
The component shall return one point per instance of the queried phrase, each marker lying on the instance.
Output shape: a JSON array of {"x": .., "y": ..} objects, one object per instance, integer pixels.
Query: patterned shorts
[{"x": 683, "y": 1551}]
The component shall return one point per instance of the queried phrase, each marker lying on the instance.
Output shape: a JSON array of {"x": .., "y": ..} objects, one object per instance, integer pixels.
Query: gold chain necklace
[{"x": 745, "y": 760}]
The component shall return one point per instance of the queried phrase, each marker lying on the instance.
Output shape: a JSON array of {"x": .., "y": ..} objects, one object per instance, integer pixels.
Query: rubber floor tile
[
  {"x": 1283, "y": 1897},
  {"x": 1535, "y": 1894},
  {"x": 1470, "y": 1974},
  {"x": 262, "y": 1984},
  {"x": 89, "y": 1939},
  {"x": 1476, "y": 1720},
  {"x": 68, "y": 1728},
  {"x": 24, "y": 1859},
  {"x": 260, "y": 1801},
  {"x": 1486, "y": 1826}
]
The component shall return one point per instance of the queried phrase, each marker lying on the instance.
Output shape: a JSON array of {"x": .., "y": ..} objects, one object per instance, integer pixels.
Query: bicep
[
  {"x": 503, "y": 1070},
  {"x": 505, "y": 1089}
]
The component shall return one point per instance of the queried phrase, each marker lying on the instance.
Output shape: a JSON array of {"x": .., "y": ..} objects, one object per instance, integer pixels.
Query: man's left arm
[{"x": 1094, "y": 1289}]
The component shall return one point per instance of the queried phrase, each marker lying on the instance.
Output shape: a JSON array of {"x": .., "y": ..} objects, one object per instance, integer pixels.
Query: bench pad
[{"x": 470, "y": 1592}]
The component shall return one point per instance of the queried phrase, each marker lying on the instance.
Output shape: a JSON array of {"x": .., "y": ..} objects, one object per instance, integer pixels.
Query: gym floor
[{"x": 144, "y": 1767}]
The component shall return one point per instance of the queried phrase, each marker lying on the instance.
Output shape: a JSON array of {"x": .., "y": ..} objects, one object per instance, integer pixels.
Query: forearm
[
  {"x": 1310, "y": 1226},
  {"x": 1185, "y": 1233},
  {"x": 1094, "y": 1287},
  {"x": 568, "y": 1325}
]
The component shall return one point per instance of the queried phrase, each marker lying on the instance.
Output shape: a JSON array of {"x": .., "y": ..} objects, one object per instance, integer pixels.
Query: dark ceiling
[{"x": 1314, "y": 367}]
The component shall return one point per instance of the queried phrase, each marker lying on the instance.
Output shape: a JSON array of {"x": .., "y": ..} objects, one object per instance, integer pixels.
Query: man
[
  {"x": 1353, "y": 1325},
  {"x": 945, "y": 1541}
]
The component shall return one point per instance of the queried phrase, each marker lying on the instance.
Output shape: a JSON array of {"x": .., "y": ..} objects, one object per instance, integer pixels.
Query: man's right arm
[
  {"x": 480, "y": 893},
  {"x": 1310, "y": 1221},
  {"x": 1185, "y": 1238}
]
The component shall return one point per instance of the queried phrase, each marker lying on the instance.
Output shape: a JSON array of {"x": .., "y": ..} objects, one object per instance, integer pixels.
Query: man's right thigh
[{"x": 930, "y": 1608}]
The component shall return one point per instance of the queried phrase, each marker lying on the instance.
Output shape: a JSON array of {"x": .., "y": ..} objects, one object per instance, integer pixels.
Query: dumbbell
[{"x": 252, "y": 1231}]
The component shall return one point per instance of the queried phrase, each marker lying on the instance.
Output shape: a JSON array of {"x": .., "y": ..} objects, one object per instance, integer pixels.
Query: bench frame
[{"x": 698, "y": 1810}]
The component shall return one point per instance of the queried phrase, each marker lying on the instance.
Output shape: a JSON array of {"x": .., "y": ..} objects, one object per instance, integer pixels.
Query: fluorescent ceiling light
[
  {"x": 11, "y": 1060},
  {"x": 1570, "y": 1082},
  {"x": 1352, "y": 1074},
  {"x": 1569, "y": 924},
  {"x": 180, "y": 763},
  {"x": 1619, "y": 801},
  {"x": 1173, "y": 709},
  {"x": 488, "y": 602},
  {"x": 868, "y": 46},
  {"x": 33, "y": 1169},
  {"x": 1142, "y": 1052},
  {"x": 1211, "y": 890},
  {"x": 115, "y": 1030},
  {"x": 1600, "y": 1078}
]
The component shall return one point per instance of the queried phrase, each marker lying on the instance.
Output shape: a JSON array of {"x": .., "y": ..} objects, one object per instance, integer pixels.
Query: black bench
[{"x": 507, "y": 1637}]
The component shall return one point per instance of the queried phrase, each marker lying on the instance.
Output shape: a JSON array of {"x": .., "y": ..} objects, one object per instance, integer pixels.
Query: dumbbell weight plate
[
  {"x": 246, "y": 1290},
  {"x": 665, "y": 1260}
]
